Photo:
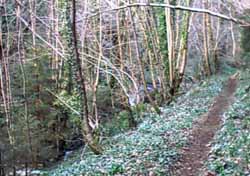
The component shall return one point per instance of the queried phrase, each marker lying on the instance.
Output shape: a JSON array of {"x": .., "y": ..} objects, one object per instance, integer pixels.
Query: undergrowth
[
  {"x": 230, "y": 155},
  {"x": 153, "y": 146}
]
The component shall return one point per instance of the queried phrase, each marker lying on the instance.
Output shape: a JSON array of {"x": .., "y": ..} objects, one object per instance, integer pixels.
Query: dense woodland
[{"x": 78, "y": 78}]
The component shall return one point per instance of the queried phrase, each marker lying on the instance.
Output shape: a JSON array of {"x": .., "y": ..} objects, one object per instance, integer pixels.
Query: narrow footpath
[{"x": 195, "y": 154}]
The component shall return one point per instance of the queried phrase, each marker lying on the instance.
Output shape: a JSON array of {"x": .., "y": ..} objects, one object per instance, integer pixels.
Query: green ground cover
[
  {"x": 230, "y": 155},
  {"x": 153, "y": 146}
]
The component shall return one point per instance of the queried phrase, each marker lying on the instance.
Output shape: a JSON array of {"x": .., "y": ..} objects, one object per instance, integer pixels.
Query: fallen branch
[{"x": 177, "y": 7}]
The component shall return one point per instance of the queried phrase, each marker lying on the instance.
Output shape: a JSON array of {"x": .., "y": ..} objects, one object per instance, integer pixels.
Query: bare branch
[
  {"x": 178, "y": 7},
  {"x": 40, "y": 37}
]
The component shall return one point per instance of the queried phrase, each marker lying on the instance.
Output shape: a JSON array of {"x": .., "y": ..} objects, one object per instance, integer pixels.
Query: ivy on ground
[
  {"x": 230, "y": 155},
  {"x": 153, "y": 146}
]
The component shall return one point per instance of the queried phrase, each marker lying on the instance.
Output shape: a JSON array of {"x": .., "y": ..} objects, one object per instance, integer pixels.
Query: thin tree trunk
[
  {"x": 206, "y": 41},
  {"x": 96, "y": 81},
  {"x": 215, "y": 49},
  {"x": 170, "y": 39},
  {"x": 87, "y": 131},
  {"x": 24, "y": 78},
  {"x": 183, "y": 50},
  {"x": 232, "y": 35},
  {"x": 141, "y": 64},
  {"x": 3, "y": 84},
  {"x": 146, "y": 28},
  {"x": 162, "y": 78}
]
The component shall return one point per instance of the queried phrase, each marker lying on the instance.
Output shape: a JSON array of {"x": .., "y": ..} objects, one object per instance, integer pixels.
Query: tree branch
[{"x": 178, "y": 7}]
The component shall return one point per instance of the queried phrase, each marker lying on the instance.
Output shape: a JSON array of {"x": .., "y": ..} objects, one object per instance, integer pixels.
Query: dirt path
[{"x": 195, "y": 154}]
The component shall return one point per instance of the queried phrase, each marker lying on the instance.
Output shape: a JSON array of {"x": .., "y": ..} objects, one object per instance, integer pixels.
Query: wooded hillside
[{"x": 76, "y": 73}]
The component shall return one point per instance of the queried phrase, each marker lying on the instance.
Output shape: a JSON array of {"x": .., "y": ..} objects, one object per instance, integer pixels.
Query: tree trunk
[
  {"x": 141, "y": 64},
  {"x": 183, "y": 51},
  {"x": 21, "y": 56},
  {"x": 207, "y": 66},
  {"x": 86, "y": 128},
  {"x": 5, "y": 88},
  {"x": 170, "y": 39}
]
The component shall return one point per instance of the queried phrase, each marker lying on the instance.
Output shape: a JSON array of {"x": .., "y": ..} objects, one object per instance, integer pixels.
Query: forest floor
[
  {"x": 195, "y": 154},
  {"x": 206, "y": 129}
]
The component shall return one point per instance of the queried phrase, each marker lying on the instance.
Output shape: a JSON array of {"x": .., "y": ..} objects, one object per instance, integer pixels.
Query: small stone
[{"x": 151, "y": 173}]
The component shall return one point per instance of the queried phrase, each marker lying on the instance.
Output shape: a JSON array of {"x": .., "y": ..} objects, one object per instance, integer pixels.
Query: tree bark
[
  {"x": 170, "y": 39},
  {"x": 141, "y": 64},
  {"x": 207, "y": 66},
  {"x": 183, "y": 51},
  {"x": 86, "y": 128}
]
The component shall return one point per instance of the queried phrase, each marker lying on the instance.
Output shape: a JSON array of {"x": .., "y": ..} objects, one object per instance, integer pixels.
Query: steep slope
[{"x": 153, "y": 147}]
